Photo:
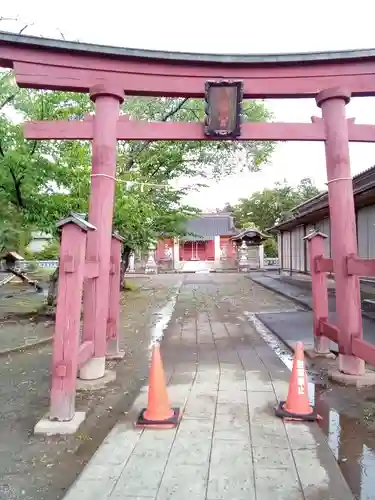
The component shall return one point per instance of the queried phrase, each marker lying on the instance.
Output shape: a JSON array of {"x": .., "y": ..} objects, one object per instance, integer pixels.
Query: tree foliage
[
  {"x": 41, "y": 181},
  {"x": 263, "y": 209}
]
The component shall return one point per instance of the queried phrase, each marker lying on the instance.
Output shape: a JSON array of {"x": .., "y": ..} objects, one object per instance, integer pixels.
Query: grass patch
[{"x": 130, "y": 286}]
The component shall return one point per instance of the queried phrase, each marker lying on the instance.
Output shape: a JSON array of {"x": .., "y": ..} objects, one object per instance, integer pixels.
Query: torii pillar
[
  {"x": 102, "y": 130},
  {"x": 107, "y": 98},
  {"x": 342, "y": 223}
]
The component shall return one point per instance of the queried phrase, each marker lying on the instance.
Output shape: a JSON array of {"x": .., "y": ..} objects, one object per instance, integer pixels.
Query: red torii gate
[{"x": 109, "y": 74}]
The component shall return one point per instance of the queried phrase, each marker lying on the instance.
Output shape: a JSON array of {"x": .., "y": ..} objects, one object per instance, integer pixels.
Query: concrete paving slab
[
  {"x": 134, "y": 481},
  {"x": 231, "y": 471},
  {"x": 301, "y": 435},
  {"x": 191, "y": 450},
  {"x": 227, "y": 423},
  {"x": 229, "y": 444},
  {"x": 268, "y": 435},
  {"x": 284, "y": 481},
  {"x": 196, "y": 426},
  {"x": 155, "y": 443},
  {"x": 183, "y": 481},
  {"x": 268, "y": 459},
  {"x": 258, "y": 382}
]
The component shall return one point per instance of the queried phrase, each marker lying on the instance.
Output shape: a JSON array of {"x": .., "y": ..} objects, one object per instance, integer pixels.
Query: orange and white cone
[
  {"x": 158, "y": 414},
  {"x": 297, "y": 406}
]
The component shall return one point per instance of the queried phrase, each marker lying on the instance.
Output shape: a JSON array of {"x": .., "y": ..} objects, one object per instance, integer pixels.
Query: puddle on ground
[
  {"x": 162, "y": 319},
  {"x": 352, "y": 444}
]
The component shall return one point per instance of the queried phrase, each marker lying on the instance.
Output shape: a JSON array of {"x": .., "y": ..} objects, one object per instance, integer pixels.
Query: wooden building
[{"x": 314, "y": 215}]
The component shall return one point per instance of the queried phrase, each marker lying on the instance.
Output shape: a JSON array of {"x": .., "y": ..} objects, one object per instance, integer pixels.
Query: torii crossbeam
[{"x": 131, "y": 130}]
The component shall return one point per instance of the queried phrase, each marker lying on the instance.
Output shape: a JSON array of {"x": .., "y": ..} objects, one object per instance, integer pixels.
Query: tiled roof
[
  {"x": 207, "y": 226},
  {"x": 250, "y": 232},
  {"x": 362, "y": 182}
]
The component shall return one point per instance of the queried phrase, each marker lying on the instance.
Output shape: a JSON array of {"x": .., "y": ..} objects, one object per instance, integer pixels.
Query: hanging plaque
[{"x": 223, "y": 109}]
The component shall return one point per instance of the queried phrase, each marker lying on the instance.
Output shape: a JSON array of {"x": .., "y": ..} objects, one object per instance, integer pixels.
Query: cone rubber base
[
  {"x": 286, "y": 415},
  {"x": 168, "y": 423}
]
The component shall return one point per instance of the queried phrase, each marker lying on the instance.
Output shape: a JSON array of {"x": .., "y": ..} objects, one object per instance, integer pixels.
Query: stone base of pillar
[
  {"x": 153, "y": 269},
  {"x": 92, "y": 370},
  {"x": 321, "y": 349},
  {"x": 243, "y": 267},
  {"x": 365, "y": 380},
  {"x": 313, "y": 354},
  {"x": 49, "y": 427},
  {"x": 113, "y": 356},
  {"x": 351, "y": 365},
  {"x": 99, "y": 383}
]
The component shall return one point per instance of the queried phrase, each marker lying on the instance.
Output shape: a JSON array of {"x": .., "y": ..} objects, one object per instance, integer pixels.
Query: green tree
[
  {"x": 44, "y": 179},
  {"x": 197, "y": 159},
  {"x": 270, "y": 248},
  {"x": 49, "y": 252},
  {"x": 35, "y": 176},
  {"x": 265, "y": 208},
  {"x": 41, "y": 181}
]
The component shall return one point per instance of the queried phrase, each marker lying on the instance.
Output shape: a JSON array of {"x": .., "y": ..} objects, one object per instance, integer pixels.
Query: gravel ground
[{"x": 37, "y": 468}]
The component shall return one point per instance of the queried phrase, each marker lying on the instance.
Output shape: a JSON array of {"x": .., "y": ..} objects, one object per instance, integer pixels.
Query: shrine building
[
  {"x": 211, "y": 243},
  {"x": 314, "y": 215}
]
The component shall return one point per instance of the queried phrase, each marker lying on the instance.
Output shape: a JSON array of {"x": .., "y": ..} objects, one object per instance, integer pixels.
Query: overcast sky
[{"x": 237, "y": 27}]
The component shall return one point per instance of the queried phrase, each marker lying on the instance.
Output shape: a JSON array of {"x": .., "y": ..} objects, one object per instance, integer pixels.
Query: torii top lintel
[{"x": 61, "y": 65}]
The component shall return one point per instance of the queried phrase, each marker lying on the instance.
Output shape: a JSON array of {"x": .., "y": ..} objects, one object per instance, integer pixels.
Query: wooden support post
[
  {"x": 68, "y": 317},
  {"x": 107, "y": 98},
  {"x": 315, "y": 242},
  {"x": 113, "y": 348},
  {"x": 343, "y": 227}
]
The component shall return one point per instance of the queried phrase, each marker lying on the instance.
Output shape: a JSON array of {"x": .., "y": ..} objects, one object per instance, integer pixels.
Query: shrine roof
[
  {"x": 316, "y": 208},
  {"x": 250, "y": 233},
  {"x": 207, "y": 226},
  {"x": 237, "y": 59}
]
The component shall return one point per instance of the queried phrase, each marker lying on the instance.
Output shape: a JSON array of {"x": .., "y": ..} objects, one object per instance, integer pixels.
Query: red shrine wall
[
  {"x": 210, "y": 250},
  {"x": 195, "y": 250}
]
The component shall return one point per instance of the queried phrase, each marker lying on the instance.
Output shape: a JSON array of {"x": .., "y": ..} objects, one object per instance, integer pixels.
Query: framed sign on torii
[{"x": 223, "y": 109}]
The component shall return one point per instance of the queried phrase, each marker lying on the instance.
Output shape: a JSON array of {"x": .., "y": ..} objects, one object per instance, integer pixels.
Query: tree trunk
[
  {"x": 125, "y": 257},
  {"x": 52, "y": 287},
  {"x": 25, "y": 279}
]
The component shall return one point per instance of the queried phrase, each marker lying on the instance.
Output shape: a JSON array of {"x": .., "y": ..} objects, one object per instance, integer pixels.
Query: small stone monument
[
  {"x": 243, "y": 261},
  {"x": 151, "y": 266},
  {"x": 131, "y": 267}
]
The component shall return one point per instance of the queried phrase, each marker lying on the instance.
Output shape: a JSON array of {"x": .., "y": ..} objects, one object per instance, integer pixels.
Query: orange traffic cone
[
  {"x": 158, "y": 414},
  {"x": 297, "y": 406}
]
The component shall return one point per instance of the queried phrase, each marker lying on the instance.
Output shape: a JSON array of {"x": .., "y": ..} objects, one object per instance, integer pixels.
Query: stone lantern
[
  {"x": 243, "y": 261},
  {"x": 151, "y": 266}
]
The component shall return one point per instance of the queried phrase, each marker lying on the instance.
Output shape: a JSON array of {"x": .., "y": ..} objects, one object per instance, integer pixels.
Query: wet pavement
[
  {"x": 36, "y": 468},
  {"x": 227, "y": 377},
  {"x": 348, "y": 414}
]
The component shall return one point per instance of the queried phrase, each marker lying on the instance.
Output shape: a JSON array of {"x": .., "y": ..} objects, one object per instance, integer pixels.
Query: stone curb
[
  {"x": 300, "y": 302},
  {"x": 26, "y": 347}
]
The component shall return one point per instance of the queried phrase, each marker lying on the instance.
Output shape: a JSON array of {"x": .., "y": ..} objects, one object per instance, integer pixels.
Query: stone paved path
[{"x": 229, "y": 445}]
